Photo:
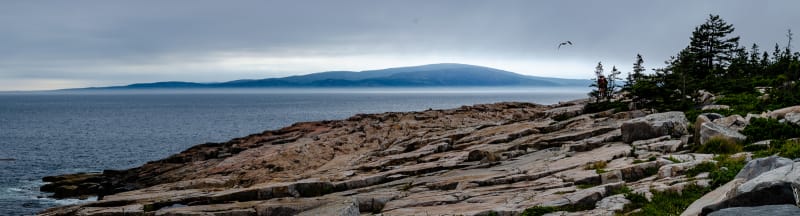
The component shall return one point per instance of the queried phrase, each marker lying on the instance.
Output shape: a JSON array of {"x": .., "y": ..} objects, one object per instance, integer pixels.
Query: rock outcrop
[
  {"x": 654, "y": 125},
  {"x": 710, "y": 130},
  {"x": 771, "y": 210},
  {"x": 475, "y": 160},
  {"x": 764, "y": 181}
]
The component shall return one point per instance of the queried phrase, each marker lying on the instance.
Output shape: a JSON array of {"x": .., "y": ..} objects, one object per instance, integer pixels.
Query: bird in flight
[{"x": 564, "y": 43}]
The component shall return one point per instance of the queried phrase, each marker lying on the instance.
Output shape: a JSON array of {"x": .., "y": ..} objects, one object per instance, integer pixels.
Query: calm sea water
[{"x": 66, "y": 132}]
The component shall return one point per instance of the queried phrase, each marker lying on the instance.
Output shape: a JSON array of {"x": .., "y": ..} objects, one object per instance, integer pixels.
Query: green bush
[
  {"x": 719, "y": 145},
  {"x": 783, "y": 148},
  {"x": 766, "y": 128},
  {"x": 669, "y": 202},
  {"x": 732, "y": 167},
  {"x": 701, "y": 168},
  {"x": 742, "y": 103},
  {"x": 542, "y": 210},
  {"x": 605, "y": 105},
  {"x": 673, "y": 203},
  {"x": 539, "y": 210}
]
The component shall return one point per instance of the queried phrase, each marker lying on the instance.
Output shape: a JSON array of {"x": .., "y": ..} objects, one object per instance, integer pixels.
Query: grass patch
[
  {"x": 672, "y": 202},
  {"x": 598, "y": 166},
  {"x": 719, "y": 145},
  {"x": 542, "y": 210},
  {"x": 561, "y": 117},
  {"x": 674, "y": 160},
  {"x": 636, "y": 161},
  {"x": 707, "y": 166},
  {"x": 727, "y": 168},
  {"x": 667, "y": 202},
  {"x": 766, "y": 128},
  {"x": 584, "y": 186}
]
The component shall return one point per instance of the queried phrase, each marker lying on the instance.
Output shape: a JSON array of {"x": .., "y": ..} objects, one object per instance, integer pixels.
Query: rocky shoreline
[{"x": 490, "y": 159}]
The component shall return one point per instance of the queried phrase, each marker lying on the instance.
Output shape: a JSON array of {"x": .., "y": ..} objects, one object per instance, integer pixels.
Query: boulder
[
  {"x": 654, "y": 125},
  {"x": 774, "y": 187},
  {"x": 705, "y": 97},
  {"x": 751, "y": 116},
  {"x": 763, "y": 144},
  {"x": 771, "y": 210},
  {"x": 793, "y": 118},
  {"x": 714, "y": 197},
  {"x": 781, "y": 113},
  {"x": 758, "y": 166},
  {"x": 735, "y": 122},
  {"x": 716, "y": 107},
  {"x": 613, "y": 203},
  {"x": 565, "y": 112},
  {"x": 677, "y": 169},
  {"x": 612, "y": 176},
  {"x": 665, "y": 146},
  {"x": 710, "y": 129},
  {"x": 714, "y": 200}
]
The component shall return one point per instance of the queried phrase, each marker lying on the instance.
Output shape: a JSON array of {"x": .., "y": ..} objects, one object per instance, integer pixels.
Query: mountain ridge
[{"x": 431, "y": 75}]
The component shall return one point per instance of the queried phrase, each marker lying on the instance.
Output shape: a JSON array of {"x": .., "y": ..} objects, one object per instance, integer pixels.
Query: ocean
[{"x": 60, "y": 132}]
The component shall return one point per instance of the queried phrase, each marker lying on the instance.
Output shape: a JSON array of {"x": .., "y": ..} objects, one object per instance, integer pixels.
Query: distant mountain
[{"x": 434, "y": 75}]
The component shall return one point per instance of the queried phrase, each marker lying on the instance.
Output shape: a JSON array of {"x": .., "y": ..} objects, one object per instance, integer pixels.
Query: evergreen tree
[
  {"x": 711, "y": 46},
  {"x": 638, "y": 67},
  {"x": 600, "y": 83}
]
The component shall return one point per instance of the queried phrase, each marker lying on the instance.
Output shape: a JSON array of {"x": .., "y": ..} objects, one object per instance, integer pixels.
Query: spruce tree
[
  {"x": 638, "y": 67},
  {"x": 712, "y": 47}
]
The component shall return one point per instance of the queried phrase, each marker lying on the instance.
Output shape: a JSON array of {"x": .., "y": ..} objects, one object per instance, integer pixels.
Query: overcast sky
[{"x": 64, "y": 44}]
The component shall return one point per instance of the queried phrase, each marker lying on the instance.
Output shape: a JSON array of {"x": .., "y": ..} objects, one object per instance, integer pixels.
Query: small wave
[{"x": 69, "y": 201}]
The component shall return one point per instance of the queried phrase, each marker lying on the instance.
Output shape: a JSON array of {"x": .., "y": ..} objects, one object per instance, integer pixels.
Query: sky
[{"x": 69, "y": 44}]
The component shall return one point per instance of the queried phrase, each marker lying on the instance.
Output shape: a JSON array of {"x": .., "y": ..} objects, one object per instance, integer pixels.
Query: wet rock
[{"x": 654, "y": 125}]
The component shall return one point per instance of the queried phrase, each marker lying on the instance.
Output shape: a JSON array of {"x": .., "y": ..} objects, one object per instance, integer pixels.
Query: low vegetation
[
  {"x": 720, "y": 145},
  {"x": 765, "y": 129},
  {"x": 666, "y": 202},
  {"x": 783, "y": 148}
]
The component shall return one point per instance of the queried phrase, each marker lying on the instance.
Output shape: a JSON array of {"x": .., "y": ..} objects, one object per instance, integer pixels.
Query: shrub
[
  {"x": 673, "y": 159},
  {"x": 605, "y": 105},
  {"x": 719, "y": 145},
  {"x": 783, "y": 148},
  {"x": 732, "y": 166},
  {"x": 596, "y": 165},
  {"x": 742, "y": 103},
  {"x": 668, "y": 202},
  {"x": 701, "y": 168},
  {"x": 542, "y": 210},
  {"x": 766, "y": 128}
]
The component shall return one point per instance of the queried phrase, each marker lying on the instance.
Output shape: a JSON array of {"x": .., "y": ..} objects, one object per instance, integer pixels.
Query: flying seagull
[{"x": 564, "y": 43}]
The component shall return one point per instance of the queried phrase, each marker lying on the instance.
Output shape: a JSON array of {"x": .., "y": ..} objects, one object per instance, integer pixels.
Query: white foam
[{"x": 69, "y": 201}]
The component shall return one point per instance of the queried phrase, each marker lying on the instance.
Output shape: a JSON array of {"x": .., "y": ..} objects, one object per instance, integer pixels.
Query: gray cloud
[{"x": 102, "y": 42}]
